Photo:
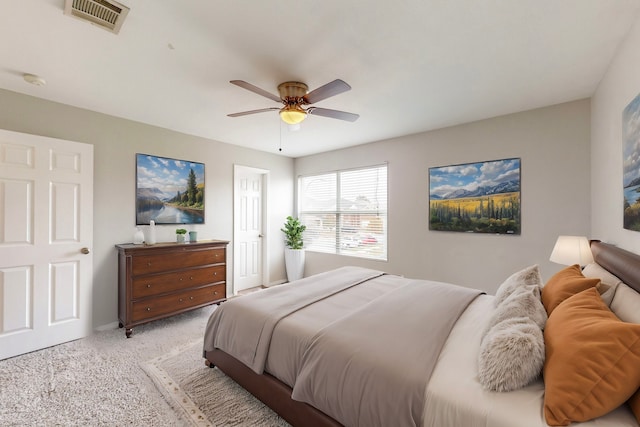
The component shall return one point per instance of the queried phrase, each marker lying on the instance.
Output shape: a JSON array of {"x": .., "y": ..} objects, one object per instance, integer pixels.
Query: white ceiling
[{"x": 414, "y": 65}]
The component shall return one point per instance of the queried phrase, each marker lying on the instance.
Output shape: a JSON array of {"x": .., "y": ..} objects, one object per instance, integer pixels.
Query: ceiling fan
[{"x": 294, "y": 96}]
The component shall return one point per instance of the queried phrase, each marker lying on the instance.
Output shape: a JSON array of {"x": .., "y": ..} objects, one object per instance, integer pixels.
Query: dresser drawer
[
  {"x": 188, "y": 257},
  {"x": 144, "y": 286},
  {"x": 174, "y": 303}
]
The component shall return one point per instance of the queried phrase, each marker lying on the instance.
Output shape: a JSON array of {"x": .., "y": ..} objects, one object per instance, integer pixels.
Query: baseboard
[
  {"x": 107, "y": 327},
  {"x": 277, "y": 282}
]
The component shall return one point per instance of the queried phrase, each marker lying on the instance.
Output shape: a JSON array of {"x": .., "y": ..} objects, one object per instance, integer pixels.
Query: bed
[{"x": 318, "y": 354}]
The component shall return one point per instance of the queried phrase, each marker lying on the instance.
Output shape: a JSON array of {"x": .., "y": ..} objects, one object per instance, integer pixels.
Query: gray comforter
[
  {"x": 243, "y": 327},
  {"x": 366, "y": 368},
  {"x": 371, "y": 367}
]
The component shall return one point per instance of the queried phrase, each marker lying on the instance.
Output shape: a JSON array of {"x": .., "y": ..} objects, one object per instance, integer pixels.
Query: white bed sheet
[{"x": 454, "y": 396}]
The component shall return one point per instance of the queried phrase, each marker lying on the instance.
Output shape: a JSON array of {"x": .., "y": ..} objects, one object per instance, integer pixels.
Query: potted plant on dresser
[
  {"x": 180, "y": 232},
  {"x": 293, "y": 253}
]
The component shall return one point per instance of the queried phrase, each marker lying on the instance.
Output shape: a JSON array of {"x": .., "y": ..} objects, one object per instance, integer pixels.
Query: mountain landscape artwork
[
  {"x": 631, "y": 165},
  {"x": 482, "y": 197},
  {"x": 169, "y": 191}
]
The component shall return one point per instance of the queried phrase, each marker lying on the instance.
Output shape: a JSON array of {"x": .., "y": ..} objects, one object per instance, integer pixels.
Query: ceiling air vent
[{"x": 107, "y": 14}]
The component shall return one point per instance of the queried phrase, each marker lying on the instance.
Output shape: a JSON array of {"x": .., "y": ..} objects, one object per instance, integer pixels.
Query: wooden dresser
[{"x": 164, "y": 279}]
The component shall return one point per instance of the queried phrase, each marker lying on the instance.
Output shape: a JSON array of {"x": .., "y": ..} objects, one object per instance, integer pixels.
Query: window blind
[{"x": 345, "y": 212}]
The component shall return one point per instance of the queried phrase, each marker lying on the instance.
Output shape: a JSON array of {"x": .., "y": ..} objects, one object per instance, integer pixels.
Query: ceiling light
[
  {"x": 292, "y": 114},
  {"x": 34, "y": 80}
]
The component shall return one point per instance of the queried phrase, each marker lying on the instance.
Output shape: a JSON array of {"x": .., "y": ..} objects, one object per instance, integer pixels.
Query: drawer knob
[
  {"x": 148, "y": 286},
  {"x": 215, "y": 273},
  {"x": 190, "y": 297},
  {"x": 148, "y": 308},
  {"x": 215, "y": 292},
  {"x": 181, "y": 279},
  {"x": 190, "y": 278},
  {"x": 181, "y": 300},
  {"x": 148, "y": 263}
]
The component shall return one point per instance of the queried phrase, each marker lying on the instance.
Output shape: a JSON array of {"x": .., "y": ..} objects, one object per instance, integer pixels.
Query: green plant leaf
[{"x": 293, "y": 230}]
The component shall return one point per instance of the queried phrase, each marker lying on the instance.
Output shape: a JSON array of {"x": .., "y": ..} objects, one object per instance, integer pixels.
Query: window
[{"x": 345, "y": 212}]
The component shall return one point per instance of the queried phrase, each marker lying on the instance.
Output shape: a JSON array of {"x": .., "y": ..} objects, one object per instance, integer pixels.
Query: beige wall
[
  {"x": 619, "y": 86},
  {"x": 115, "y": 143},
  {"x": 554, "y": 146}
]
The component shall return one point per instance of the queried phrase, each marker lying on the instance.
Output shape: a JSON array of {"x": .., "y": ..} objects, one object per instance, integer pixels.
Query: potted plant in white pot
[
  {"x": 293, "y": 253},
  {"x": 180, "y": 232}
]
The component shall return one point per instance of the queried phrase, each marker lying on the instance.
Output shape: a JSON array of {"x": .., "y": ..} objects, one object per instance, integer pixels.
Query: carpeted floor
[{"x": 99, "y": 380}]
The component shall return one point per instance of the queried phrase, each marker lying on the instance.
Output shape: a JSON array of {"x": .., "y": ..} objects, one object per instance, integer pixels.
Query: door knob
[{"x": 85, "y": 250}]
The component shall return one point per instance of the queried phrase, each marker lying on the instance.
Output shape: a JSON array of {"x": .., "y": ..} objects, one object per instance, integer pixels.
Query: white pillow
[
  {"x": 596, "y": 270},
  {"x": 511, "y": 355},
  {"x": 625, "y": 304},
  {"x": 527, "y": 277},
  {"x": 608, "y": 282},
  {"x": 524, "y": 301}
]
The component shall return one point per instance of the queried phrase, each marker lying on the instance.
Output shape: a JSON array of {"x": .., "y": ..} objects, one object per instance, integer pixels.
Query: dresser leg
[
  {"x": 120, "y": 325},
  {"x": 128, "y": 332}
]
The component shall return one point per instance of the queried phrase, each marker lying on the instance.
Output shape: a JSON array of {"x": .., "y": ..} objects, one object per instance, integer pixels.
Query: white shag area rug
[{"x": 206, "y": 397}]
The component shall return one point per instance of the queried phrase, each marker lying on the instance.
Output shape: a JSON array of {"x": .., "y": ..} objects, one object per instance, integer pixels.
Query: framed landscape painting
[
  {"x": 481, "y": 197},
  {"x": 631, "y": 165},
  {"x": 169, "y": 191}
]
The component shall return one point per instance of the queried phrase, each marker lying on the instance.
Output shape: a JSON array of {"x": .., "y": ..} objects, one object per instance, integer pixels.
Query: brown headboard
[{"x": 621, "y": 263}]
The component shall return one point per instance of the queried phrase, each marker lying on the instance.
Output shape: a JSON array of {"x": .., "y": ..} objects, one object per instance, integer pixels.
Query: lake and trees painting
[
  {"x": 631, "y": 164},
  {"x": 481, "y": 197},
  {"x": 169, "y": 191}
]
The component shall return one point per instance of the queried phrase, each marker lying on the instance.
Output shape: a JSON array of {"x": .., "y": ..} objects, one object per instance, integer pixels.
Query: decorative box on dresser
[{"x": 165, "y": 279}]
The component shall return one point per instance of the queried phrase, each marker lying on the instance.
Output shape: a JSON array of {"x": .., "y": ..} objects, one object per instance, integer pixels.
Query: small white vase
[
  {"x": 138, "y": 237},
  {"x": 294, "y": 263},
  {"x": 151, "y": 238},
  {"x": 180, "y": 238}
]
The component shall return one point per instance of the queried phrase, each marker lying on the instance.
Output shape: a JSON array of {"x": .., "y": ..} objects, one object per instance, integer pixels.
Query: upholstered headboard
[{"x": 619, "y": 262}]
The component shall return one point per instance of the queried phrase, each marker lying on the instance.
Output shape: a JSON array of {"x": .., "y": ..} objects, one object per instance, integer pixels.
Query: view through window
[{"x": 345, "y": 212}]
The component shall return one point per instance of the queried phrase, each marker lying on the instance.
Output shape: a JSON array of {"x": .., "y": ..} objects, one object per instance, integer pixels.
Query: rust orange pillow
[
  {"x": 565, "y": 283},
  {"x": 592, "y": 361}
]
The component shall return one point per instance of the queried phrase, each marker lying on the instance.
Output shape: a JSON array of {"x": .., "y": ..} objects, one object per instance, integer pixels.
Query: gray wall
[
  {"x": 554, "y": 145},
  {"x": 116, "y": 141},
  {"x": 620, "y": 86}
]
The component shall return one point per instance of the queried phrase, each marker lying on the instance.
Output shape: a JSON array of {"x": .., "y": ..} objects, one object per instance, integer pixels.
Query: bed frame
[{"x": 277, "y": 395}]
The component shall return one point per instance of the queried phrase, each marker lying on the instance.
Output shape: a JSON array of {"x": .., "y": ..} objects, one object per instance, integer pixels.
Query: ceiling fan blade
[
  {"x": 245, "y": 113},
  {"x": 323, "y": 92},
  {"x": 255, "y": 89},
  {"x": 333, "y": 114}
]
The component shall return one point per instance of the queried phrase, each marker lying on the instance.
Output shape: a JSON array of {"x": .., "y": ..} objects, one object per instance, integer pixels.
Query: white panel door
[
  {"x": 46, "y": 233},
  {"x": 248, "y": 224}
]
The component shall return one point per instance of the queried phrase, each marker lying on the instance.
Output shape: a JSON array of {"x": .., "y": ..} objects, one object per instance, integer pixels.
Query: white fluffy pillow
[
  {"x": 511, "y": 355},
  {"x": 524, "y": 301},
  {"x": 529, "y": 276}
]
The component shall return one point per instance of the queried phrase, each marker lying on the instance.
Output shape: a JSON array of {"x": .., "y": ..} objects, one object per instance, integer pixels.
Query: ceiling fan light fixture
[
  {"x": 292, "y": 115},
  {"x": 295, "y": 95}
]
